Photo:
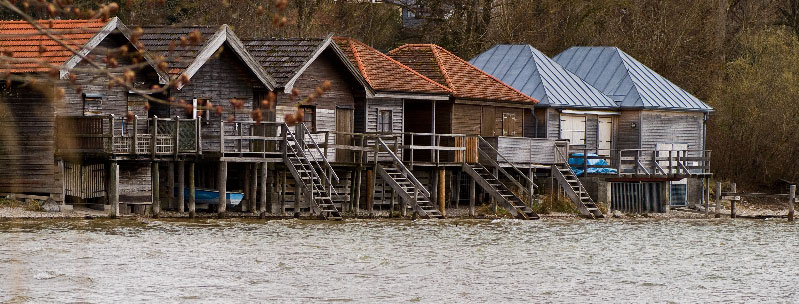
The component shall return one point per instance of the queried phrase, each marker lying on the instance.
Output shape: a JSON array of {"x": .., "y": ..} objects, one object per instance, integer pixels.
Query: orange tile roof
[
  {"x": 26, "y": 43},
  {"x": 464, "y": 79},
  {"x": 384, "y": 73}
]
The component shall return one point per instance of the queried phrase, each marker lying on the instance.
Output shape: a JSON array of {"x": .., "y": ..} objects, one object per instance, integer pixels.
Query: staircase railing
[
  {"x": 299, "y": 150},
  {"x": 404, "y": 170},
  {"x": 324, "y": 157},
  {"x": 494, "y": 163}
]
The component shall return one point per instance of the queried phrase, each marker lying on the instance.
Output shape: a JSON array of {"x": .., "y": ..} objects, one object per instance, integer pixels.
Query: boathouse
[{"x": 660, "y": 143}]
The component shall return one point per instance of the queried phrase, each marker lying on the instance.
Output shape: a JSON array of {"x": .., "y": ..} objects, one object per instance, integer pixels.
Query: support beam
[
  {"x": 791, "y": 200},
  {"x": 192, "y": 206},
  {"x": 734, "y": 190},
  {"x": 356, "y": 202},
  {"x": 181, "y": 201},
  {"x": 244, "y": 206},
  {"x": 718, "y": 199},
  {"x": 442, "y": 187},
  {"x": 297, "y": 198},
  {"x": 113, "y": 189},
  {"x": 254, "y": 188},
  {"x": 283, "y": 193},
  {"x": 370, "y": 192},
  {"x": 262, "y": 190},
  {"x": 170, "y": 183},
  {"x": 156, "y": 199},
  {"x": 472, "y": 198},
  {"x": 221, "y": 183}
]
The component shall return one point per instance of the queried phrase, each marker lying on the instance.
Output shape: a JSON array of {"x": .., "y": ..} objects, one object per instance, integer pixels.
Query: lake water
[{"x": 378, "y": 261}]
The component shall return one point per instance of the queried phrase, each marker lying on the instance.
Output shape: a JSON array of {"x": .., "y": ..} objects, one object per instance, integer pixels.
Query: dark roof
[
  {"x": 283, "y": 57},
  {"x": 27, "y": 43},
  {"x": 533, "y": 73},
  {"x": 627, "y": 81},
  {"x": 464, "y": 79},
  {"x": 158, "y": 40},
  {"x": 384, "y": 73}
]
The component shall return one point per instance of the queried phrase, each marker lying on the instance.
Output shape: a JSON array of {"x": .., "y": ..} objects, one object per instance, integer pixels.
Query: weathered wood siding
[
  {"x": 518, "y": 113},
  {"x": 525, "y": 150},
  {"x": 529, "y": 124},
  {"x": 591, "y": 131},
  {"x": 466, "y": 119},
  {"x": 374, "y": 106},
  {"x": 552, "y": 123},
  {"x": 661, "y": 127},
  {"x": 27, "y": 150},
  {"x": 444, "y": 117},
  {"x": 628, "y": 137},
  {"x": 115, "y": 99}
]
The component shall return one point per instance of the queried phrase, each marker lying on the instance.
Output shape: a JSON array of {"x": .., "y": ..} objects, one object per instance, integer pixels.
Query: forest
[{"x": 739, "y": 56}]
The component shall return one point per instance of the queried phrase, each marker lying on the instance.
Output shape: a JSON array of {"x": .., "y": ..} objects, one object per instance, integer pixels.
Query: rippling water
[{"x": 399, "y": 261}]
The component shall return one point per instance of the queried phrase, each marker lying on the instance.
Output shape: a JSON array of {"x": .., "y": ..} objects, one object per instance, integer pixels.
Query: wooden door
[
  {"x": 572, "y": 127},
  {"x": 344, "y": 123},
  {"x": 488, "y": 122},
  {"x": 605, "y": 135}
]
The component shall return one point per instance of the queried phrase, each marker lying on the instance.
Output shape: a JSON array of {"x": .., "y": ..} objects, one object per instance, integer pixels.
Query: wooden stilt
[
  {"x": 283, "y": 193},
  {"x": 254, "y": 188},
  {"x": 246, "y": 186},
  {"x": 170, "y": 183},
  {"x": 791, "y": 201},
  {"x": 221, "y": 183},
  {"x": 734, "y": 190},
  {"x": 297, "y": 198},
  {"x": 472, "y": 198},
  {"x": 434, "y": 187},
  {"x": 113, "y": 189},
  {"x": 262, "y": 190},
  {"x": 718, "y": 199},
  {"x": 357, "y": 201},
  {"x": 370, "y": 192},
  {"x": 181, "y": 200},
  {"x": 442, "y": 183},
  {"x": 192, "y": 206},
  {"x": 457, "y": 190},
  {"x": 156, "y": 206}
]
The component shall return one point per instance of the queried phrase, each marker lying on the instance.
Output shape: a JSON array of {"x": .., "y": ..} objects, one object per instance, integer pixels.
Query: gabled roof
[
  {"x": 188, "y": 58},
  {"x": 82, "y": 36},
  {"x": 464, "y": 79},
  {"x": 386, "y": 74},
  {"x": 628, "y": 82},
  {"x": 533, "y": 73},
  {"x": 286, "y": 59}
]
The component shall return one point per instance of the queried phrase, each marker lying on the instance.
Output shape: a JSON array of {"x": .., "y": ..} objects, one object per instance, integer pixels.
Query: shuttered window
[
  {"x": 384, "y": 121},
  {"x": 572, "y": 127},
  {"x": 309, "y": 117}
]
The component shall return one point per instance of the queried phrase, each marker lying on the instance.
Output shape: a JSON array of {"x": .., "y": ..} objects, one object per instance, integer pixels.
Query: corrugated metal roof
[
  {"x": 533, "y": 73},
  {"x": 627, "y": 81}
]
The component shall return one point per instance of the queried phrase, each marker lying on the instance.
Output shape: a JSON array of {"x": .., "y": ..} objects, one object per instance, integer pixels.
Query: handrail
[
  {"x": 290, "y": 134},
  {"x": 324, "y": 157},
  {"x": 405, "y": 171},
  {"x": 500, "y": 169},
  {"x": 482, "y": 140}
]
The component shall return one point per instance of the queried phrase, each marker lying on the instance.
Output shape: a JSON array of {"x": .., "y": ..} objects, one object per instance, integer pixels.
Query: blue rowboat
[{"x": 211, "y": 197}]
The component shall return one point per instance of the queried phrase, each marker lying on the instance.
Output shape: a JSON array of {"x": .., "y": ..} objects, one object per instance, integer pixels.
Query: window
[
  {"x": 509, "y": 124},
  {"x": 384, "y": 121},
  {"x": 309, "y": 117},
  {"x": 92, "y": 104},
  {"x": 199, "y": 110}
]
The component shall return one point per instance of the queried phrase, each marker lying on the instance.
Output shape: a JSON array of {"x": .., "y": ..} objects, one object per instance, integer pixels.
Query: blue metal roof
[
  {"x": 533, "y": 73},
  {"x": 630, "y": 83}
]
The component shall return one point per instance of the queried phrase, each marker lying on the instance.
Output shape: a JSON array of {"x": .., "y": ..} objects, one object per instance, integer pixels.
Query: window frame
[
  {"x": 381, "y": 123},
  {"x": 309, "y": 109}
]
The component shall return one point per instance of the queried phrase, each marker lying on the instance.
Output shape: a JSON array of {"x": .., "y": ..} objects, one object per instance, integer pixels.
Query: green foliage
[{"x": 753, "y": 133}]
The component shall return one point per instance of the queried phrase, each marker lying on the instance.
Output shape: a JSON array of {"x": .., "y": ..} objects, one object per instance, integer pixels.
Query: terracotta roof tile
[
  {"x": 25, "y": 42},
  {"x": 384, "y": 73},
  {"x": 464, "y": 79}
]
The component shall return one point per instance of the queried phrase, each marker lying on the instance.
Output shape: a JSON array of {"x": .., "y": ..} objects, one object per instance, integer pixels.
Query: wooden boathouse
[{"x": 415, "y": 130}]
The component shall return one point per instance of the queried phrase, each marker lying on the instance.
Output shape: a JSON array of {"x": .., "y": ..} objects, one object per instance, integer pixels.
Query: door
[
  {"x": 605, "y": 130},
  {"x": 572, "y": 127},
  {"x": 488, "y": 122},
  {"x": 344, "y": 123},
  {"x": 509, "y": 124}
]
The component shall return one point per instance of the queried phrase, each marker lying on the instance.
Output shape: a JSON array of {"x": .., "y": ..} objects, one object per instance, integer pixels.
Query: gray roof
[
  {"x": 530, "y": 71},
  {"x": 157, "y": 40},
  {"x": 627, "y": 81},
  {"x": 283, "y": 57}
]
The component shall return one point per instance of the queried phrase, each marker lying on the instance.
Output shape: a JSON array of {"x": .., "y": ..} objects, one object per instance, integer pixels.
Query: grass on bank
[{"x": 32, "y": 205}]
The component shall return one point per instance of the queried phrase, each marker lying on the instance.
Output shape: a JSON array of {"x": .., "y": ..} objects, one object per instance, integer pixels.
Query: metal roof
[
  {"x": 533, "y": 73},
  {"x": 630, "y": 83}
]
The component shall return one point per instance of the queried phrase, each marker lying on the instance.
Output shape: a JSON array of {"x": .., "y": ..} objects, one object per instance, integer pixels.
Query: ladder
[
  {"x": 404, "y": 183},
  {"x": 491, "y": 184},
  {"x": 309, "y": 171},
  {"x": 575, "y": 191}
]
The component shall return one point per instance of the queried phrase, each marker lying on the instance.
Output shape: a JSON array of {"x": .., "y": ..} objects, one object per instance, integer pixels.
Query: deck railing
[
  {"x": 243, "y": 138},
  {"x": 646, "y": 162},
  {"x": 112, "y": 135}
]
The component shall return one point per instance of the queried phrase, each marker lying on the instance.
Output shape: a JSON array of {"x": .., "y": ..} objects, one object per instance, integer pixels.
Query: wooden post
[
  {"x": 434, "y": 187},
  {"x": 472, "y": 186},
  {"x": 706, "y": 189},
  {"x": 113, "y": 189},
  {"x": 154, "y": 135},
  {"x": 254, "y": 188},
  {"x": 283, "y": 193},
  {"x": 170, "y": 182},
  {"x": 442, "y": 182},
  {"x": 244, "y": 206},
  {"x": 791, "y": 199},
  {"x": 370, "y": 191},
  {"x": 494, "y": 202},
  {"x": 181, "y": 184},
  {"x": 718, "y": 199},
  {"x": 262, "y": 190},
  {"x": 221, "y": 183},
  {"x": 156, "y": 206},
  {"x": 734, "y": 190},
  {"x": 457, "y": 189},
  {"x": 297, "y": 198},
  {"x": 358, "y": 181},
  {"x": 192, "y": 208}
]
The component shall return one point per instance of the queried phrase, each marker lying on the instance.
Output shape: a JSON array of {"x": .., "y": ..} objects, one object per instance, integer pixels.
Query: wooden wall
[
  {"x": 27, "y": 151},
  {"x": 628, "y": 137},
  {"x": 396, "y": 107},
  {"x": 486, "y": 120},
  {"x": 662, "y": 127},
  {"x": 135, "y": 185},
  {"x": 552, "y": 123},
  {"x": 591, "y": 131},
  {"x": 466, "y": 119}
]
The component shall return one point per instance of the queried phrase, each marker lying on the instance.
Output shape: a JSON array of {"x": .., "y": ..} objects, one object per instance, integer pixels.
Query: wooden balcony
[
  {"x": 118, "y": 138},
  {"x": 642, "y": 163}
]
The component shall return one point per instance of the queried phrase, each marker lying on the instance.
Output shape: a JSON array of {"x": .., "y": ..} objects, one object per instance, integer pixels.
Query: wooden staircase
[
  {"x": 309, "y": 172},
  {"x": 506, "y": 198},
  {"x": 410, "y": 190},
  {"x": 575, "y": 191}
]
